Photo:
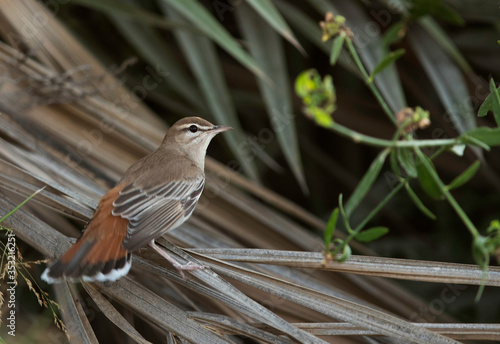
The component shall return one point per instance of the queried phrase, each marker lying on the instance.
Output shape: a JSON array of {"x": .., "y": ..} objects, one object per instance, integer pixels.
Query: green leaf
[
  {"x": 346, "y": 254},
  {"x": 199, "y": 16},
  {"x": 338, "y": 43},
  {"x": 418, "y": 203},
  {"x": 426, "y": 180},
  {"x": 202, "y": 57},
  {"x": 266, "y": 47},
  {"x": 393, "y": 34},
  {"x": 495, "y": 101},
  {"x": 487, "y": 105},
  {"x": 470, "y": 140},
  {"x": 465, "y": 176},
  {"x": 330, "y": 228},
  {"x": 318, "y": 96},
  {"x": 394, "y": 163},
  {"x": 371, "y": 234},
  {"x": 366, "y": 182},
  {"x": 488, "y": 136},
  {"x": 268, "y": 12},
  {"x": 386, "y": 62},
  {"x": 493, "y": 227},
  {"x": 346, "y": 251},
  {"x": 407, "y": 161}
]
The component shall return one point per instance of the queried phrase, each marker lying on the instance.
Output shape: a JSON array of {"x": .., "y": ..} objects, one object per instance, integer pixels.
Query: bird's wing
[{"x": 151, "y": 211}]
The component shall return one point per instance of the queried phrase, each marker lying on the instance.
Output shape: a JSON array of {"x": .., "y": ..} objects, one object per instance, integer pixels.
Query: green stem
[
  {"x": 379, "y": 206},
  {"x": 368, "y": 218},
  {"x": 366, "y": 78},
  {"x": 458, "y": 209},
  {"x": 438, "y": 153},
  {"x": 22, "y": 203},
  {"x": 373, "y": 141}
]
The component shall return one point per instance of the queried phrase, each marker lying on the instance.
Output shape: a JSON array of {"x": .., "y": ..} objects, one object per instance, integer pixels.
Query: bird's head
[{"x": 192, "y": 135}]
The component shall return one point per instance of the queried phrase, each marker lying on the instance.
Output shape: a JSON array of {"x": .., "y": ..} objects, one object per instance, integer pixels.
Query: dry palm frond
[{"x": 80, "y": 147}]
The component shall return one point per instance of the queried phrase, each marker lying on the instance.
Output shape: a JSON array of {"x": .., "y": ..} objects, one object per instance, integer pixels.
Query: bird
[{"x": 156, "y": 194}]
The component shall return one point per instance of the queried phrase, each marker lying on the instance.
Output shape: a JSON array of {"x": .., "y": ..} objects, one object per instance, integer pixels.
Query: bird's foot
[
  {"x": 180, "y": 267},
  {"x": 188, "y": 267}
]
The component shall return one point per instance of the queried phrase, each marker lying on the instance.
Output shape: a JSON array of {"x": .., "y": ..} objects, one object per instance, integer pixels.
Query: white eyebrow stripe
[{"x": 186, "y": 126}]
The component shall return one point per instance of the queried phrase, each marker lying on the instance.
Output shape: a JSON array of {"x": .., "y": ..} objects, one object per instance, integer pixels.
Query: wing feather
[
  {"x": 153, "y": 210},
  {"x": 134, "y": 196},
  {"x": 133, "y": 207}
]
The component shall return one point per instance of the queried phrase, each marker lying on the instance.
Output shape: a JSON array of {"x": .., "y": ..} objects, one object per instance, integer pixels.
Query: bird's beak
[{"x": 220, "y": 128}]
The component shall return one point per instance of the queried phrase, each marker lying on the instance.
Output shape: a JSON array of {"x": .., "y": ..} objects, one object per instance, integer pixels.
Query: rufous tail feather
[
  {"x": 90, "y": 260},
  {"x": 98, "y": 255}
]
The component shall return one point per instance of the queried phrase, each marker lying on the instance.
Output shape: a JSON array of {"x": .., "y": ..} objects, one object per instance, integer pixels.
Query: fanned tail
[
  {"x": 98, "y": 255},
  {"x": 90, "y": 260}
]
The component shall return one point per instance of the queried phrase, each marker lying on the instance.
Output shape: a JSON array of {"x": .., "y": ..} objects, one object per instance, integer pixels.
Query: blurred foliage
[{"x": 317, "y": 95}]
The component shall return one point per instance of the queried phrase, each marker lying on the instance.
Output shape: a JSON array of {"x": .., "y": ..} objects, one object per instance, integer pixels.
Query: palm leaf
[
  {"x": 266, "y": 47},
  {"x": 203, "y": 60}
]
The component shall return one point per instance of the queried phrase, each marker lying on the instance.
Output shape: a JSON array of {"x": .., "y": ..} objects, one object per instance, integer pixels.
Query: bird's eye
[{"x": 193, "y": 128}]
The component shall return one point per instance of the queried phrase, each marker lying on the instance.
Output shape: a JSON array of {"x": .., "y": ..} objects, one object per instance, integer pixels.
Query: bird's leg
[{"x": 180, "y": 267}]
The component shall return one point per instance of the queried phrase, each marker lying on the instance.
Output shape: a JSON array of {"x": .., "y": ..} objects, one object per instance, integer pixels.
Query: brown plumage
[{"x": 156, "y": 194}]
